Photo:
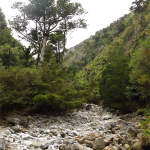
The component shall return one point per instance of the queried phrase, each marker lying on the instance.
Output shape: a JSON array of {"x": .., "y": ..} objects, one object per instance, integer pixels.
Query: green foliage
[
  {"x": 115, "y": 78},
  {"x": 137, "y": 6},
  {"x": 49, "y": 99},
  {"x": 17, "y": 85}
]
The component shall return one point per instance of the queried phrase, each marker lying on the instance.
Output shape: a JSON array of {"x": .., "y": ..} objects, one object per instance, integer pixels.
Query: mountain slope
[{"x": 91, "y": 57}]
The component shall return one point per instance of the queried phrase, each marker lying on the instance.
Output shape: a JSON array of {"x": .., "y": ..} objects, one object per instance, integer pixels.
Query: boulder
[
  {"x": 88, "y": 143},
  {"x": 46, "y": 144},
  {"x": 110, "y": 147},
  {"x": 7, "y": 132},
  {"x": 2, "y": 143},
  {"x": 139, "y": 136},
  {"x": 122, "y": 122},
  {"x": 107, "y": 117},
  {"x": 88, "y": 107},
  {"x": 17, "y": 128},
  {"x": 14, "y": 120},
  {"x": 134, "y": 130},
  {"x": 77, "y": 146},
  {"x": 126, "y": 147},
  {"x": 99, "y": 113},
  {"x": 27, "y": 143},
  {"x": 137, "y": 146},
  {"x": 99, "y": 144},
  {"x": 81, "y": 140},
  {"x": 62, "y": 147}
]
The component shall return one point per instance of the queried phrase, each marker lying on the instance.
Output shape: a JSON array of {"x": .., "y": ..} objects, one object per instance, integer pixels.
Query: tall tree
[
  {"x": 137, "y": 6},
  {"x": 46, "y": 15},
  {"x": 68, "y": 25}
]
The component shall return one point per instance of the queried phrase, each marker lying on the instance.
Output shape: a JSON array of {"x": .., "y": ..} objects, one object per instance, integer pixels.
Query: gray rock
[
  {"x": 27, "y": 143},
  {"x": 2, "y": 143},
  {"x": 14, "y": 136},
  {"x": 17, "y": 128},
  {"x": 107, "y": 117},
  {"x": 7, "y": 132},
  {"x": 99, "y": 144},
  {"x": 134, "y": 130},
  {"x": 14, "y": 120},
  {"x": 88, "y": 107},
  {"x": 89, "y": 143},
  {"x": 122, "y": 122},
  {"x": 46, "y": 144},
  {"x": 27, "y": 136},
  {"x": 11, "y": 130},
  {"x": 99, "y": 113},
  {"x": 77, "y": 146}
]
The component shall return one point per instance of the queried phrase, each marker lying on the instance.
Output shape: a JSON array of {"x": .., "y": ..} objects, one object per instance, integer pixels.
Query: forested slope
[{"x": 114, "y": 63}]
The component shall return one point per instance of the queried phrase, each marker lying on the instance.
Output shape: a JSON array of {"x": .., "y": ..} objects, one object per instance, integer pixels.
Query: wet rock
[
  {"x": 137, "y": 146},
  {"x": 2, "y": 143},
  {"x": 99, "y": 144}
]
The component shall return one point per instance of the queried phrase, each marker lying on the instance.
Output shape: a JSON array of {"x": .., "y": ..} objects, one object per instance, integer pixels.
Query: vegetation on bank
[
  {"x": 116, "y": 61},
  {"x": 112, "y": 66}
]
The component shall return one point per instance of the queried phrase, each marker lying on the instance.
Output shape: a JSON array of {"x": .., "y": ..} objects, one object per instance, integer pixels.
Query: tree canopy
[{"x": 47, "y": 16}]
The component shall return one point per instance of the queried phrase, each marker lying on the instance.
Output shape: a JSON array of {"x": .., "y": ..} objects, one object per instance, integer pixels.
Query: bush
[
  {"x": 49, "y": 99},
  {"x": 115, "y": 79},
  {"x": 17, "y": 86}
]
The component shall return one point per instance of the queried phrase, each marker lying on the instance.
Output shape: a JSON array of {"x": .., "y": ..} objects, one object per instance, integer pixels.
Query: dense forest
[
  {"x": 111, "y": 67},
  {"x": 114, "y": 63}
]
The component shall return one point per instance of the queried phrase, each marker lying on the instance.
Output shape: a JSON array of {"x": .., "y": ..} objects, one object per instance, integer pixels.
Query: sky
[{"x": 100, "y": 14}]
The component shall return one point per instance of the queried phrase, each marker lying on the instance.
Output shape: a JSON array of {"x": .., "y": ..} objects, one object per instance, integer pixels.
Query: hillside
[{"x": 126, "y": 38}]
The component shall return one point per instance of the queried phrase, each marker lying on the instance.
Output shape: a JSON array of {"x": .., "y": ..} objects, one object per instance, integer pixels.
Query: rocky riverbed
[{"x": 87, "y": 128}]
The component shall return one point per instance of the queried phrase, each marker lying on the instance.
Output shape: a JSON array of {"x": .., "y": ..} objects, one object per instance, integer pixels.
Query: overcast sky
[{"x": 100, "y": 14}]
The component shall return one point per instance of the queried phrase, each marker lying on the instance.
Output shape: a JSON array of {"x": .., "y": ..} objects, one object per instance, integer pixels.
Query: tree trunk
[
  {"x": 62, "y": 55},
  {"x": 9, "y": 59},
  {"x": 43, "y": 48},
  {"x": 38, "y": 58},
  {"x": 134, "y": 27},
  {"x": 27, "y": 62},
  {"x": 58, "y": 53}
]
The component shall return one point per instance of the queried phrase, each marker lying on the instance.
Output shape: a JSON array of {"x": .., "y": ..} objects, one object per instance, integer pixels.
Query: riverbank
[{"x": 87, "y": 128}]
